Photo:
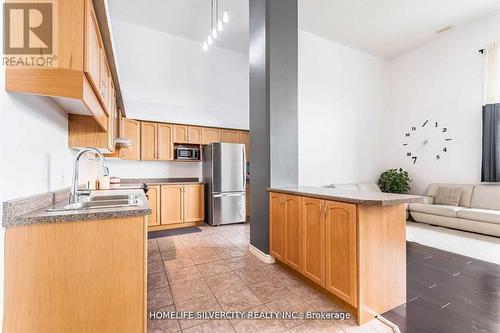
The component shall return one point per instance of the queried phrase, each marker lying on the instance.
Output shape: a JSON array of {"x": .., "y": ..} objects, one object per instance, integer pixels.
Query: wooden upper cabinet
[
  {"x": 194, "y": 199},
  {"x": 149, "y": 138},
  {"x": 244, "y": 138},
  {"x": 131, "y": 129},
  {"x": 181, "y": 134},
  {"x": 154, "y": 205},
  {"x": 194, "y": 135},
  {"x": 314, "y": 243},
  {"x": 165, "y": 142},
  {"x": 81, "y": 70},
  {"x": 340, "y": 244},
  {"x": 93, "y": 47},
  {"x": 293, "y": 232},
  {"x": 277, "y": 225},
  {"x": 172, "y": 204},
  {"x": 230, "y": 136},
  {"x": 209, "y": 135}
]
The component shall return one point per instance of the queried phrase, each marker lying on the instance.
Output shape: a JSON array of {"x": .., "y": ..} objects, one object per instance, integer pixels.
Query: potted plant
[{"x": 394, "y": 181}]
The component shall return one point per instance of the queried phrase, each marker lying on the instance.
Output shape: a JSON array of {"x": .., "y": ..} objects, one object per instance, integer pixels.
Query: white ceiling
[
  {"x": 383, "y": 28},
  {"x": 186, "y": 18},
  {"x": 388, "y": 28}
]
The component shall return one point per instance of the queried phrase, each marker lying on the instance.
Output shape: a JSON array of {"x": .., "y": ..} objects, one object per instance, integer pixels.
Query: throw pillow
[{"x": 448, "y": 196}]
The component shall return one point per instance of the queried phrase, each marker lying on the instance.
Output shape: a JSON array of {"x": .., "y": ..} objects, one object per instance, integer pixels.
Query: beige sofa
[
  {"x": 364, "y": 187},
  {"x": 478, "y": 209}
]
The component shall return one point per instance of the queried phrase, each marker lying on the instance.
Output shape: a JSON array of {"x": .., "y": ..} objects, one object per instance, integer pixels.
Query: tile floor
[{"x": 212, "y": 270}]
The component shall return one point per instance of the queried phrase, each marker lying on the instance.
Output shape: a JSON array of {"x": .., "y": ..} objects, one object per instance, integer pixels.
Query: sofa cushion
[
  {"x": 483, "y": 215},
  {"x": 369, "y": 187},
  {"x": 486, "y": 197},
  {"x": 347, "y": 187},
  {"x": 448, "y": 196},
  {"x": 466, "y": 194},
  {"x": 441, "y": 210}
]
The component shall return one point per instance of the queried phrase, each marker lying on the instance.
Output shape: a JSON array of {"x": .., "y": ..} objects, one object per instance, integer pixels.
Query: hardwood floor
[{"x": 448, "y": 292}]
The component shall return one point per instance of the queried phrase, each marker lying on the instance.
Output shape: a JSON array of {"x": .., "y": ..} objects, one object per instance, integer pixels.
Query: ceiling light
[{"x": 216, "y": 24}]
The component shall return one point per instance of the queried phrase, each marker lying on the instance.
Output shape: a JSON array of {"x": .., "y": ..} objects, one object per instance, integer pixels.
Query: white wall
[
  {"x": 342, "y": 99},
  {"x": 168, "y": 78},
  {"x": 441, "y": 81},
  {"x": 154, "y": 169}
]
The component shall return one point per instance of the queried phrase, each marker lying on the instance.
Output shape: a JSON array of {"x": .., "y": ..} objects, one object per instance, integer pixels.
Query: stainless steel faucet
[{"x": 75, "y": 193}]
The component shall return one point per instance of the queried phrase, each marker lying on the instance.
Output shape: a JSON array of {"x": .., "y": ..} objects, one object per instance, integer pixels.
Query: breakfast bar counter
[{"x": 350, "y": 244}]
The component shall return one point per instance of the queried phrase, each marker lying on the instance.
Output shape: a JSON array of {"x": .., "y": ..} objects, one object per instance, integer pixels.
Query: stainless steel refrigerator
[{"x": 224, "y": 171}]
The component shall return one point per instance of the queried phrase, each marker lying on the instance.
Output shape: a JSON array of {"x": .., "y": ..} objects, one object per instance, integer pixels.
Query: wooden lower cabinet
[
  {"x": 194, "y": 203},
  {"x": 277, "y": 225},
  {"x": 318, "y": 239},
  {"x": 179, "y": 205},
  {"x": 340, "y": 249},
  {"x": 76, "y": 276},
  {"x": 314, "y": 240},
  {"x": 172, "y": 204},
  {"x": 293, "y": 232},
  {"x": 154, "y": 204},
  {"x": 356, "y": 252}
]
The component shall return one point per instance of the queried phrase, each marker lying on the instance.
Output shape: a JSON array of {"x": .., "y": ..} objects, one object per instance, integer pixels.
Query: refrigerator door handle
[
  {"x": 220, "y": 195},
  {"x": 244, "y": 166}
]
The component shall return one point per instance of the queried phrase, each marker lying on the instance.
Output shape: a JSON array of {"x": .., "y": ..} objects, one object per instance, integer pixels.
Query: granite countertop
[
  {"x": 354, "y": 197},
  {"x": 39, "y": 214},
  {"x": 160, "y": 181}
]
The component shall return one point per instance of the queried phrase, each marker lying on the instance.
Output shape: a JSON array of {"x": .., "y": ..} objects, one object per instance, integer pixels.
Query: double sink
[{"x": 102, "y": 202}]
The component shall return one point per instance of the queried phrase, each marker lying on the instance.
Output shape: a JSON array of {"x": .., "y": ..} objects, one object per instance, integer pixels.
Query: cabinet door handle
[{"x": 321, "y": 210}]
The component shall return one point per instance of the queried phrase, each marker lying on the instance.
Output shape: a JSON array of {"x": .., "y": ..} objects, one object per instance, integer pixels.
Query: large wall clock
[{"x": 429, "y": 138}]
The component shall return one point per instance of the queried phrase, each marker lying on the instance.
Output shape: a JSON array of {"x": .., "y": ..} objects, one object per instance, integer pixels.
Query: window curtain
[{"x": 491, "y": 115}]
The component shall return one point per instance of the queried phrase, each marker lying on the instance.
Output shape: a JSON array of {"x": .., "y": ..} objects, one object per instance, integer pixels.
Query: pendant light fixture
[{"x": 216, "y": 23}]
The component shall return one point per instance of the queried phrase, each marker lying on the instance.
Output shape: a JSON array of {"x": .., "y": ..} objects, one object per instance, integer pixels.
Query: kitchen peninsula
[{"x": 351, "y": 244}]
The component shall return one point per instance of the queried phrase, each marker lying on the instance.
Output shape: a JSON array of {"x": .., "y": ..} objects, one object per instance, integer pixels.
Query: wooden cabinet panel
[
  {"x": 194, "y": 203},
  {"x": 165, "y": 142},
  {"x": 131, "y": 129},
  {"x": 104, "y": 78},
  {"x": 154, "y": 204},
  {"x": 149, "y": 138},
  {"x": 230, "y": 136},
  {"x": 172, "y": 204},
  {"x": 277, "y": 226},
  {"x": 194, "y": 135},
  {"x": 244, "y": 138},
  {"x": 314, "y": 249},
  {"x": 293, "y": 232},
  {"x": 209, "y": 135},
  {"x": 181, "y": 134},
  {"x": 340, "y": 230},
  {"x": 92, "y": 48}
]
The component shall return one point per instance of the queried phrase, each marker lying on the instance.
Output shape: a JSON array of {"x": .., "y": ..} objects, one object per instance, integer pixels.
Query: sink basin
[
  {"x": 109, "y": 202},
  {"x": 115, "y": 197}
]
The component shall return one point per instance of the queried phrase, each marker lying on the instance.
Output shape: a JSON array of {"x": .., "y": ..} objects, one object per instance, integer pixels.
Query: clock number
[
  {"x": 413, "y": 128},
  {"x": 444, "y": 130},
  {"x": 414, "y": 158},
  {"x": 437, "y": 124},
  {"x": 408, "y": 154},
  {"x": 405, "y": 144},
  {"x": 425, "y": 123},
  {"x": 445, "y": 149},
  {"x": 407, "y": 134},
  {"x": 438, "y": 157},
  {"x": 447, "y": 139}
]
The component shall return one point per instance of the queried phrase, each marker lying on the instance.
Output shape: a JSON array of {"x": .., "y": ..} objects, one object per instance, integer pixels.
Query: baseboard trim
[{"x": 268, "y": 259}]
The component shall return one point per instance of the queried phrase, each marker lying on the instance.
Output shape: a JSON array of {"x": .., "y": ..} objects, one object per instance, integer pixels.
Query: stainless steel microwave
[{"x": 187, "y": 153}]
